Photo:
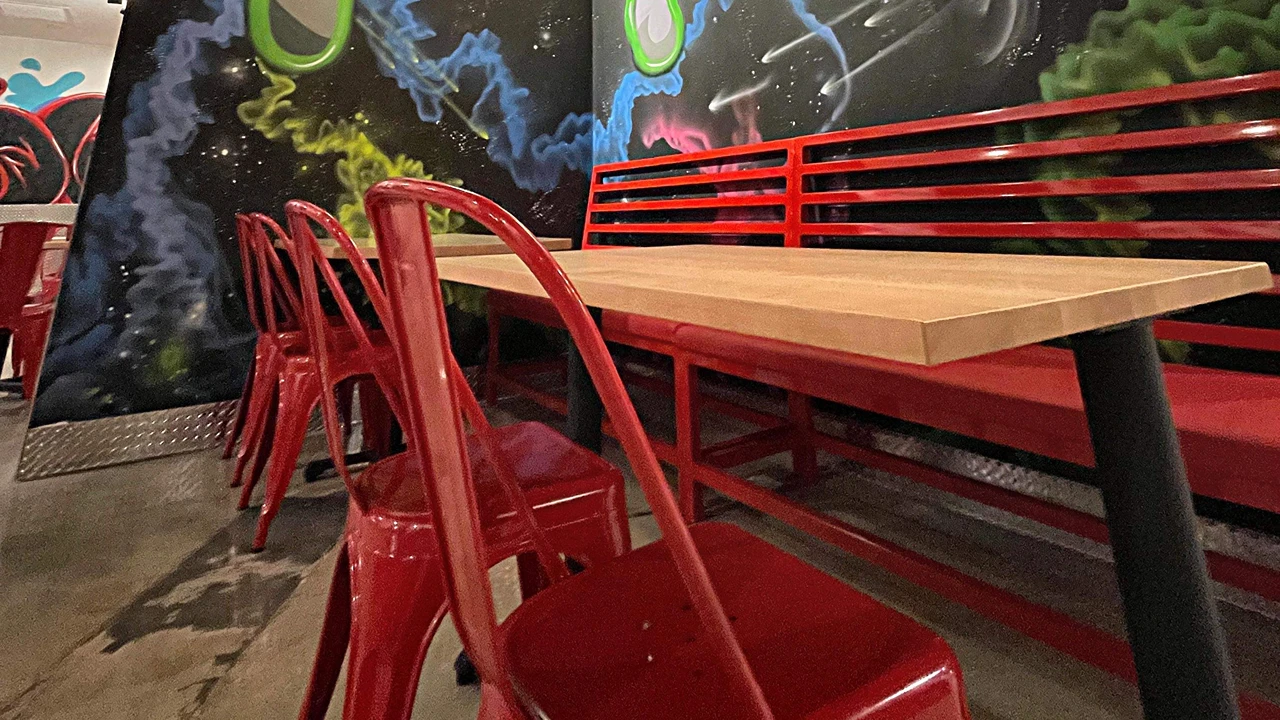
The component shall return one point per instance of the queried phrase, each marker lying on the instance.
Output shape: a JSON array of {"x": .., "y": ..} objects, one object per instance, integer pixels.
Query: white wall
[{"x": 64, "y": 37}]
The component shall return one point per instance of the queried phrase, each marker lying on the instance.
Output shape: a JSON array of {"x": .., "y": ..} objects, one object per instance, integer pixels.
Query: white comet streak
[
  {"x": 781, "y": 50},
  {"x": 829, "y": 88},
  {"x": 719, "y": 102},
  {"x": 889, "y": 10},
  {"x": 997, "y": 48}
]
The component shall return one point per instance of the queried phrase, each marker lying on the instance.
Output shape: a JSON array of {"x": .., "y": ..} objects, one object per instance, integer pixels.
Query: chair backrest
[
  {"x": 309, "y": 255},
  {"x": 397, "y": 211},
  {"x": 21, "y": 247},
  {"x": 324, "y": 331},
  {"x": 272, "y": 295}
]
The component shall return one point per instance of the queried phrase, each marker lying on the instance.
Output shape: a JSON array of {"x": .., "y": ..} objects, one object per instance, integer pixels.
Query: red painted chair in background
[
  {"x": 24, "y": 317},
  {"x": 709, "y": 622},
  {"x": 32, "y": 335},
  {"x": 282, "y": 388},
  {"x": 541, "y": 495},
  {"x": 274, "y": 310}
]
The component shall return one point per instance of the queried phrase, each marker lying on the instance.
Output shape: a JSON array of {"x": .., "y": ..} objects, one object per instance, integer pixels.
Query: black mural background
[{"x": 152, "y": 314}]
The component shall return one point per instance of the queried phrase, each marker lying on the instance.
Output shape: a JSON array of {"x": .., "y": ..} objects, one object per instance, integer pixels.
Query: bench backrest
[{"x": 1188, "y": 170}]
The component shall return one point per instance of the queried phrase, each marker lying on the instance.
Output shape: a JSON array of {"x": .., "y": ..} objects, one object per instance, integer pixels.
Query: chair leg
[
  {"x": 29, "y": 344},
  {"x": 256, "y": 446},
  {"x": 688, "y": 438},
  {"x": 345, "y": 393},
  {"x": 261, "y": 454},
  {"x": 493, "y": 706},
  {"x": 30, "y": 367},
  {"x": 334, "y": 636},
  {"x": 259, "y": 421},
  {"x": 804, "y": 456},
  {"x": 242, "y": 413},
  {"x": 375, "y": 416},
  {"x": 298, "y": 395},
  {"x": 533, "y": 579},
  {"x": 398, "y": 602},
  {"x": 491, "y": 367}
]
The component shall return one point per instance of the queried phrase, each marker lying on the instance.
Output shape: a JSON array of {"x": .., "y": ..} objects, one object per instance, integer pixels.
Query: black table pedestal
[
  {"x": 586, "y": 411},
  {"x": 1174, "y": 630}
]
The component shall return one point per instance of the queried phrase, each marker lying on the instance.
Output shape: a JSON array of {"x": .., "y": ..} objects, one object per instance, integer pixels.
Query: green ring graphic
[
  {"x": 646, "y": 64},
  {"x": 281, "y": 59}
]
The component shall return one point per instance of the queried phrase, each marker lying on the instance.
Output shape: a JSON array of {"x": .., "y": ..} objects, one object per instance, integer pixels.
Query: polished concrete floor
[{"x": 127, "y": 593}]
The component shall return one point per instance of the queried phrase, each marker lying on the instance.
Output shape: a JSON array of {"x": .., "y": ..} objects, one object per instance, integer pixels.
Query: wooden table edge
[{"x": 1252, "y": 278}]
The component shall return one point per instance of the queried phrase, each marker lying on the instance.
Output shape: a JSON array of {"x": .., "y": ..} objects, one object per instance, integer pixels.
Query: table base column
[
  {"x": 1175, "y": 633},
  {"x": 586, "y": 411}
]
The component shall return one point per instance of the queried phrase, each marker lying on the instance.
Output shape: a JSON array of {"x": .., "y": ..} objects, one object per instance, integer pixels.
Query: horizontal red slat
[
  {"x": 731, "y": 201},
  {"x": 699, "y": 179},
  {"x": 1134, "y": 184},
  {"x": 1232, "y": 336},
  {"x": 1145, "y": 140},
  {"x": 1263, "y": 230},
  {"x": 1132, "y": 99},
  {"x": 708, "y": 228},
  {"x": 736, "y": 153}
]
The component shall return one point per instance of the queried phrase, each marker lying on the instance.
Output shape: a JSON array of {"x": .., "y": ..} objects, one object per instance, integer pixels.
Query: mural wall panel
[
  {"x": 677, "y": 76},
  {"x": 225, "y": 106}
]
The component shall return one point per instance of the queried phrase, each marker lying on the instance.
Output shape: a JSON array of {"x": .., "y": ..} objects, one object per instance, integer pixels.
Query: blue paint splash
[
  {"x": 817, "y": 27},
  {"x": 503, "y": 109},
  {"x": 28, "y": 93},
  {"x": 610, "y": 141},
  {"x": 149, "y": 224}
]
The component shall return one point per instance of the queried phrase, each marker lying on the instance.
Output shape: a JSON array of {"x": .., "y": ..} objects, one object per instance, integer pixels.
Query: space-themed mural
[
  {"x": 678, "y": 76},
  {"x": 225, "y": 106},
  {"x": 686, "y": 75}
]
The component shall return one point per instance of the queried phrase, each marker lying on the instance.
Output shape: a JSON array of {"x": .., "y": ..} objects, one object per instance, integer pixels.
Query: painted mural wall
[
  {"x": 676, "y": 76},
  {"x": 54, "y": 64},
  {"x": 685, "y": 75},
  {"x": 225, "y": 106}
]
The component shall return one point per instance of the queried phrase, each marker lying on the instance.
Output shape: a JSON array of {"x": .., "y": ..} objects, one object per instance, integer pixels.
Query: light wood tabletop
[
  {"x": 916, "y": 307},
  {"x": 448, "y": 245}
]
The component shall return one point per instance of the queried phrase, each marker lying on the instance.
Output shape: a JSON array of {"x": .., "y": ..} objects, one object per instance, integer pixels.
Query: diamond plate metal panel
[
  {"x": 58, "y": 214},
  {"x": 73, "y": 447}
]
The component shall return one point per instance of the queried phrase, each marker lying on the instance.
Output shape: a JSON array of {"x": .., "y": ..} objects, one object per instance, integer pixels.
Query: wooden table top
[
  {"x": 58, "y": 214},
  {"x": 916, "y": 307},
  {"x": 448, "y": 245}
]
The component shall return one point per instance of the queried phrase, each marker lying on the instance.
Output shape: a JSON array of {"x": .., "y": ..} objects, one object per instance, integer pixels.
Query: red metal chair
[
  {"x": 283, "y": 384},
  {"x": 710, "y": 622},
  {"x": 274, "y": 308},
  {"x": 540, "y": 495},
  {"x": 24, "y": 317}
]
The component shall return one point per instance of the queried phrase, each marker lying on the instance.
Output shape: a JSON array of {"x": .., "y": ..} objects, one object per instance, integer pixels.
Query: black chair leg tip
[{"x": 464, "y": 672}]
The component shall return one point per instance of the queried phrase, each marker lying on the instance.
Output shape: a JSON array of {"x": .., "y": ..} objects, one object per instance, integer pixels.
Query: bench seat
[{"x": 1029, "y": 399}]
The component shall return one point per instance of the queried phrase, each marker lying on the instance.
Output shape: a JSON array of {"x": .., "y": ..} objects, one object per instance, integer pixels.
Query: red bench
[
  {"x": 1119, "y": 173},
  {"x": 815, "y": 191}
]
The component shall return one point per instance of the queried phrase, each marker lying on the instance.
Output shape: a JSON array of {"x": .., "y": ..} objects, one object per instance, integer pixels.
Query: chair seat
[
  {"x": 540, "y": 458},
  {"x": 621, "y": 641},
  {"x": 1029, "y": 399}
]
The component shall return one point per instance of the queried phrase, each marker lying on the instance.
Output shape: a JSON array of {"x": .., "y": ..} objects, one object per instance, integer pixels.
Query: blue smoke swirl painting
[
  {"x": 501, "y": 114},
  {"x": 150, "y": 229}
]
